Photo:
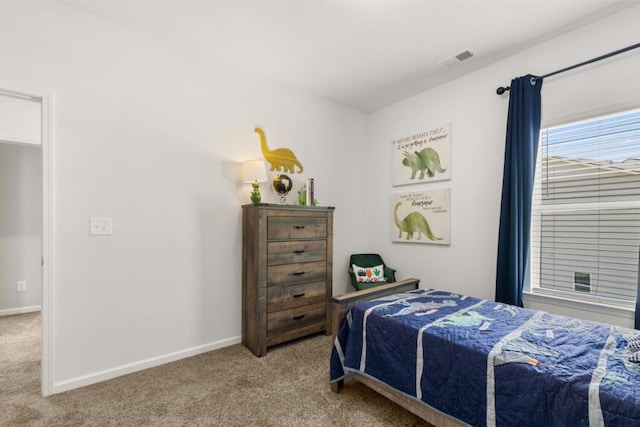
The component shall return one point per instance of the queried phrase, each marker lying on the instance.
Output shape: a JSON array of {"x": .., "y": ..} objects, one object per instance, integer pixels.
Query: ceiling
[{"x": 361, "y": 54}]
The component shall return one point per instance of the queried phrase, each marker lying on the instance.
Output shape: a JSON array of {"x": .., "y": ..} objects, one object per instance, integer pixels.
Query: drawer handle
[
  {"x": 298, "y": 273},
  {"x": 299, "y": 317},
  {"x": 299, "y": 295},
  {"x": 299, "y": 227},
  {"x": 298, "y": 252}
]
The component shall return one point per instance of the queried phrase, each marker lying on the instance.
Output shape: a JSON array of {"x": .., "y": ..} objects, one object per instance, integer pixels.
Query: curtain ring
[{"x": 533, "y": 81}]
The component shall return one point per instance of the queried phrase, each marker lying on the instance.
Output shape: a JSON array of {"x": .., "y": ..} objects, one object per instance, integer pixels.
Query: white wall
[
  {"x": 20, "y": 227},
  {"x": 19, "y": 120},
  {"x": 153, "y": 138},
  {"x": 478, "y": 117}
]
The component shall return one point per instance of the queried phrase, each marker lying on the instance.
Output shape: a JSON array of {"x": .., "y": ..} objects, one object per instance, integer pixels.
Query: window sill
[{"x": 622, "y": 311}]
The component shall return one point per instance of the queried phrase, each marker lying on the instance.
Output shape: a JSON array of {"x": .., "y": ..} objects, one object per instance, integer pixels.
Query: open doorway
[
  {"x": 20, "y": 227},
  {"x": 25, "y": 213}
]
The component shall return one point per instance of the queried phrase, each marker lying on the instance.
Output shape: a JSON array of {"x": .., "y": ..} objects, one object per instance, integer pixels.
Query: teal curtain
[{"x": 521, "y": 147}]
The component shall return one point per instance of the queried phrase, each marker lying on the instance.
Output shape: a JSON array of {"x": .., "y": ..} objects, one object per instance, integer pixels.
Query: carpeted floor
[{"x": 226, "y": 387}]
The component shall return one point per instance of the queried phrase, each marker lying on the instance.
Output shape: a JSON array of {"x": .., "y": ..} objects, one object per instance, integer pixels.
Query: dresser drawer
[
  {"x": 285, "y": 321},
  {"x": 296, "y": 251},
  {"x": 296, "y": 274},
  {"x": 293, "y": 227},
  {"x": 282, "y": 298}
]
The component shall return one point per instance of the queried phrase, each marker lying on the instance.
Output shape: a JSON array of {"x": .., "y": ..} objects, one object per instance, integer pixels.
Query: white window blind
[{"x": 585, "y": 230}]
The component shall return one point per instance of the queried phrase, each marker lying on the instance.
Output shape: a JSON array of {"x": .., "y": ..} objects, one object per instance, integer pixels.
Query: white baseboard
[
  {"x": 20, "y": 310},
  {"x": 85, "y": 380}
]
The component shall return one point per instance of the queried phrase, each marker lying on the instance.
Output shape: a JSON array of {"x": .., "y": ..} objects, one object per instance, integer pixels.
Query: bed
[{"x": 457, "y": 360}]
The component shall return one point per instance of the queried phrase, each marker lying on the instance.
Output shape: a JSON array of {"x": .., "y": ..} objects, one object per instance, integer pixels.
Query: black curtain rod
[{"x": 503, "y": 89}]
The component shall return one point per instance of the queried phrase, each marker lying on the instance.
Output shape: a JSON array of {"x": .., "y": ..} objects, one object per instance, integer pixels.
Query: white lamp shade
[{"x": 254, "y": 170}]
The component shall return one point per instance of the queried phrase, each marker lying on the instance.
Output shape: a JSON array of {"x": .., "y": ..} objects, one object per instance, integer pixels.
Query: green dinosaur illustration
[
  {"x": 280, "y": 158},
  {"x": 426, "y": 160},
  {"x": 467, "y": 319},
  {"x": 412, "y": 223}
]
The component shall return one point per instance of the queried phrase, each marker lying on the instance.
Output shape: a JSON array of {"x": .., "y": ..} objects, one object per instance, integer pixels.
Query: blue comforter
[{"x": 486, "y": 363}]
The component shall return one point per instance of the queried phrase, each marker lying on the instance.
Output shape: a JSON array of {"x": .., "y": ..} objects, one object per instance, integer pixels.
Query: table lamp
[{"x": 254, "y": 172}]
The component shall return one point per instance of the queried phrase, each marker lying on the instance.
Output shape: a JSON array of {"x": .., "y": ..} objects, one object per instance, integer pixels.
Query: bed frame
[{"x": 340, "y": 306}]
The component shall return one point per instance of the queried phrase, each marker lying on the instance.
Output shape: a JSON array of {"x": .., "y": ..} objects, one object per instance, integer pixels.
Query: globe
[{"x": 282, "y": 184}]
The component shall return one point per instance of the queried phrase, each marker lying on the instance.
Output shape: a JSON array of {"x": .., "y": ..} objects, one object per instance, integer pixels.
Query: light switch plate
[{"x": 100, "y": 226}]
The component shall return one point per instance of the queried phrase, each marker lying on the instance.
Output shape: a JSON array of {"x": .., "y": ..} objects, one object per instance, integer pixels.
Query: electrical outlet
[
  {"x": 100, "y": 226},
  {"x": 22, "y": 286}
]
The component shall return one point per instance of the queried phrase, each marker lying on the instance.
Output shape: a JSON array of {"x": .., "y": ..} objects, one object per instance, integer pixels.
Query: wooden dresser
[{"x": 286, "y": 273}]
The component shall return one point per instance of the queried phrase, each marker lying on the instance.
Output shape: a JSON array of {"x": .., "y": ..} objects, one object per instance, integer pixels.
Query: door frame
[{"x": 45, "y": 98}]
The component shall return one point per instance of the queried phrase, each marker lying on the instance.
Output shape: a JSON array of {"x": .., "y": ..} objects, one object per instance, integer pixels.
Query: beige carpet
[{"x": 227, "y": 387}]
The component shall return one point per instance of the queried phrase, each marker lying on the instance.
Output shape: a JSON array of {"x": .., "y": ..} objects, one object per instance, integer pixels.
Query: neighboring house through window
[{"x": 585, "y": 225}]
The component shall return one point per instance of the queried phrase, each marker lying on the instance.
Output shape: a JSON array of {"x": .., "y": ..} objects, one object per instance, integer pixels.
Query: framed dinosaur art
[
  {"x": 422, "y": 217},
  {"x": 422, "y": 157}
]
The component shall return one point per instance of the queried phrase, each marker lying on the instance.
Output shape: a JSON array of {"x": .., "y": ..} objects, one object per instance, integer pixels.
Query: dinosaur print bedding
[{"x": 486, "y": 364}]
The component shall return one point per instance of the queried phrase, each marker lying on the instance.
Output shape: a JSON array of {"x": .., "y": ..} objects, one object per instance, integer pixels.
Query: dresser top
[{"x": 290, "y": 207}]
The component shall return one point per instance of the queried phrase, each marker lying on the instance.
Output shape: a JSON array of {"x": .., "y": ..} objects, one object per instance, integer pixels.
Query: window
[{"x": 585, "y": 225}]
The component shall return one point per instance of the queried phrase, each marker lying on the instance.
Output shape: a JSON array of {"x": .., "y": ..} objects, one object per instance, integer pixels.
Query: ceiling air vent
[{"x": 457, "y": 59}]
